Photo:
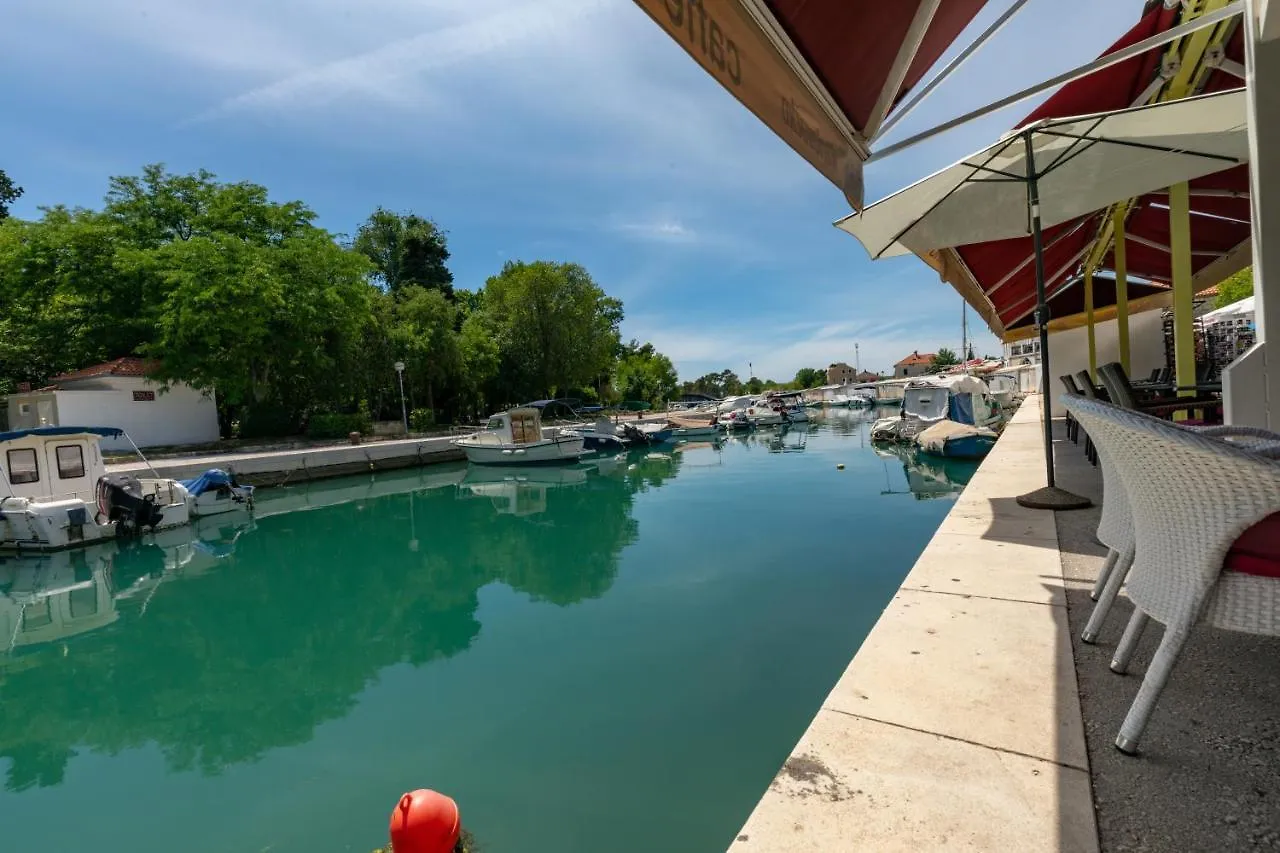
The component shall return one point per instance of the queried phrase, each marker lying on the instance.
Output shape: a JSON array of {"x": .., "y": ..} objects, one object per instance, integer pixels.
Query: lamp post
[{"x": 404, "y": 412}]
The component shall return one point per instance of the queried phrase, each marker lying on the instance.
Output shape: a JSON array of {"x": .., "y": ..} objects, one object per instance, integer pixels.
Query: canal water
[{"x": 611, "y": 657}]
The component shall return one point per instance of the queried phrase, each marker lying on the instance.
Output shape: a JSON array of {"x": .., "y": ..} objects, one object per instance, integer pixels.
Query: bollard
[
  {"x": 353, "y": 437},
  {"x": 425, "y": 821}
]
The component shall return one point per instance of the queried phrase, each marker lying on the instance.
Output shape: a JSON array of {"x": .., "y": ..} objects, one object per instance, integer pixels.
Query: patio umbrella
[{"x": 1048, "y": 173}]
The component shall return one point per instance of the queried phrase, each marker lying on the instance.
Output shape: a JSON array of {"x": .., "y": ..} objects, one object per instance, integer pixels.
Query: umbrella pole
[{"x": 1050, "y": 497}]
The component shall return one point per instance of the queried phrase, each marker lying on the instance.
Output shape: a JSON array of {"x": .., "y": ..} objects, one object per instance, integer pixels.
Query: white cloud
[{"x": 663, "y": 230}]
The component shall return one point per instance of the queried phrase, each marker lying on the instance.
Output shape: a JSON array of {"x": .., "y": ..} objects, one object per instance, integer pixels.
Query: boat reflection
[
  {"x": 927, "y": 477},
  {"x": 519, "y": 492},
  {"x": 54, "y": 596}
]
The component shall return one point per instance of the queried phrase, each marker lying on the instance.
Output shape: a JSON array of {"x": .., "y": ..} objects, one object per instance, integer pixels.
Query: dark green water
[{"x": 613, "y": 658}]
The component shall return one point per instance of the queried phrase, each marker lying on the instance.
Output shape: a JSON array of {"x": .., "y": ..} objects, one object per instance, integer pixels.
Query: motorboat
[
  {"x": 515, "y": 437},
  {"x": 55, "y": 492},
  {"x": 684, "y": 428},
  {"x": 956, "y": 441},
  {"x": 960, "y": 399},
  {"x": 765, "y": 412},
  {"x": 1004, "y": 388},
  {"x": 793, "y": 409},
  {"x": 863, "y": 396},
  {"x": 215, "y": 492},
  {"x": 603, "y": 435},
  {"x": 734, "y": 420}
]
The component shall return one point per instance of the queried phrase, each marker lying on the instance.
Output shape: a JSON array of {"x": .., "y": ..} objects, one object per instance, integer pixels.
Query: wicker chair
[
  {"x": 1181, "y": 541},
  {"x": 1122, "y": 393},
  {"x": 1073, "y": 429}
]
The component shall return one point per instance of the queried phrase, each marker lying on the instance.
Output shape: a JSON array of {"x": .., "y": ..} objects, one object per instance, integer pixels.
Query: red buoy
[{"x": 425, "y": 822}]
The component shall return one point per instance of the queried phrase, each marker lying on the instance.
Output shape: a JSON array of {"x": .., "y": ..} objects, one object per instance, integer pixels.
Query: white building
[{"x": 119, "y": 394}]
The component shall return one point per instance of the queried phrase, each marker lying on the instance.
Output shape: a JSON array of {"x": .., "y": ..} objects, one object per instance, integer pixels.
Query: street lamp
[{"x": 404, "y": 413}]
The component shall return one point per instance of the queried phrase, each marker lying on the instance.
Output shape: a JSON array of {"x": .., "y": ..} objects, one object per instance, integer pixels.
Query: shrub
[
  {"x": 267, "y": 420},
  {"x": 421, "y": 420},
  {"x": 335, "y": 425}
]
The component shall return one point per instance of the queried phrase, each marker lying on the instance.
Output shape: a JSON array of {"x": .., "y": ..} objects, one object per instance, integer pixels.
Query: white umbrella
[
  {"x": 1051, "y": 172},
  {"x": 1241, "y": 308}
]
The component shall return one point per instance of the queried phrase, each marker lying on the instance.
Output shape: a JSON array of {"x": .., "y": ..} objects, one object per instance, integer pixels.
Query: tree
[
  {"x": 809, "y": 377},
  {"x": 556, "y": 328},
  {"x": 405, "y": 250},
  {"x": 942, "y": 360},
  {"x": 424, "y": 335},
  {"x": 643, "y": 373},
  {"x": 9, "y": 193},
  {"x": 754, "y": 385},
  {"x": 1234, "y": 288}
]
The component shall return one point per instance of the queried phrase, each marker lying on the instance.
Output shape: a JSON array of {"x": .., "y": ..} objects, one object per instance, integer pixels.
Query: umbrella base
[{"x": 1051, "y": 497}]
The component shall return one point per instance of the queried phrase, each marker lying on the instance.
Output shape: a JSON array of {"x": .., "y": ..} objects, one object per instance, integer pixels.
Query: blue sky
[{"x": 558, "y": 129}]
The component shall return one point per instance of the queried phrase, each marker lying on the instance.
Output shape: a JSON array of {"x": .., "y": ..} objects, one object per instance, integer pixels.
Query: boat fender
[{"x": 839, "y": 466}]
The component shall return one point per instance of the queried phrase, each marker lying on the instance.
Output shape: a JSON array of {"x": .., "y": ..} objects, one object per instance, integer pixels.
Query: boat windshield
[{"x": 494, "y": 423}]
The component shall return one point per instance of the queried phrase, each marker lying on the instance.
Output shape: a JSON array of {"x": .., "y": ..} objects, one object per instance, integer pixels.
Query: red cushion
[{"x": 1257, "y": 551}]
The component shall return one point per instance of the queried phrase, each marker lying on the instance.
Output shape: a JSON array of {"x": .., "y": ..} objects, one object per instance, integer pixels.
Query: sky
[{"x": 567, "y": 130}]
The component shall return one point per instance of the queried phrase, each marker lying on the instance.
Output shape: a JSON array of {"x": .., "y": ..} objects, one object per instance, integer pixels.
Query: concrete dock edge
[{"x": 957, "y": 724}]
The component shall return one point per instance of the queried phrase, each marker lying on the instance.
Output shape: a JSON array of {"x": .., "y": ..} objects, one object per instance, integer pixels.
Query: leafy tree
[
  {"x": 424, "y": 334},
  {"x": 405, "y": 250},
  {"x": 481, "y": 360},
  {"x": 9, "y": 193},
  {"x": 643, "y": 373},
  {"x": 1234, "y": 288},
  {"x": 556, "y": 329},
  {"x": 943, "y": 359},
  {"x": 754, "y": 385},
  {"x": 809, "y": 377}
]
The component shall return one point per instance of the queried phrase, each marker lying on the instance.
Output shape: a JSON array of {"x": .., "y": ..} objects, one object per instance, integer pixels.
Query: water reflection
[
  {"x": 231, "y": 642},
  {"x": 926, "y": 476}
]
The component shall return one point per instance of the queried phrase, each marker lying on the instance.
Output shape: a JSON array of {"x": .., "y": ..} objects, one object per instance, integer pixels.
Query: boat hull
[{"x": 551, "y": 451}]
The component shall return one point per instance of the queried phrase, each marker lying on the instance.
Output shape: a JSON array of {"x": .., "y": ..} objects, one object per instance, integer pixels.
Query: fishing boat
[
  {"x": 515, "y": 437},
  {"x": 55, "y": 492}
]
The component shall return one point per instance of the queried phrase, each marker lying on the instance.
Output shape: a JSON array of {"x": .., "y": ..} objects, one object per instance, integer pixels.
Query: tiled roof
[
  {"x": 916, "y": 358},
  {"x": 127, "y": 366}
]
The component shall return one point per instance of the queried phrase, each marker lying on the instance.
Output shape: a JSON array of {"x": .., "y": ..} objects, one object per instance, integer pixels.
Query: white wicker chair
[{"x": 1190, "y": 496}]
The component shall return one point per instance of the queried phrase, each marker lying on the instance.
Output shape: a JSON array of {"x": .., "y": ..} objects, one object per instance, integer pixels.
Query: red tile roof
[
  {"x": 127, "y": 366},
  {"x": 916, "y": 357}
]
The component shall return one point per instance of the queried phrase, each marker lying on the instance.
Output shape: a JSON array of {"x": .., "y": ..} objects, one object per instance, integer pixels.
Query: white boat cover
[{"x": 1083, "y": 163}]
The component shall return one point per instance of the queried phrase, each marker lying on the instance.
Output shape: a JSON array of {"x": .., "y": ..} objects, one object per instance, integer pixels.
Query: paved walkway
[{"x": 957, "y": 725}]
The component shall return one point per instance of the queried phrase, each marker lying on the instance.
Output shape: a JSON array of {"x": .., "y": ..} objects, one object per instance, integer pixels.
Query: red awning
[
  {"x": 852, "y": 45},
  {"x": 821, "y": 74},
  {"x": 1003, "y": 271}
]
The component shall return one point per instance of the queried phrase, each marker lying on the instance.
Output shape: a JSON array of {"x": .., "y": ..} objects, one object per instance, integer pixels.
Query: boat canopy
[
  {"x": 955, "y": 383},
  {"x": 104, "y": 432}
]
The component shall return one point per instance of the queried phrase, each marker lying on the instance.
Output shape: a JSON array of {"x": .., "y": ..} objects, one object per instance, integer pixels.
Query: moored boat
[
  {"x": 956, "y": 440},
  {"x": 515, "y": 438},
  {"x": 55, "y": 492}
]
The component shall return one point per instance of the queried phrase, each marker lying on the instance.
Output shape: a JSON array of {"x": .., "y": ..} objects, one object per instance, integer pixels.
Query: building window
[
  {"x": 23, "y": 467},
  {"x": 24, "y": 408},
  {"x": 70, "y": 461}
]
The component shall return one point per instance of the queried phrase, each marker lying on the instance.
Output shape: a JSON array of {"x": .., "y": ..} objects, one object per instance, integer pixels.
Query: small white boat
[
  {"x": 793, "y": 409},
  {"x": 683, "y": 428},
  {"x": 55, "y": 492},
  {"x": 215, "y": 492},
  {"x": 733, "y": 420},
  {"x": 515, "y": 438},
  {"x": 765, "y": 412}
]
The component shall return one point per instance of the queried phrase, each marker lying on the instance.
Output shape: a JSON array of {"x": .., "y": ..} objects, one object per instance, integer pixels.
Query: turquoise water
[{"x": 615, "y": 657}]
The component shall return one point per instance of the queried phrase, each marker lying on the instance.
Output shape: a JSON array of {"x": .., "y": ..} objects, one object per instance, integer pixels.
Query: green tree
[
  {"x": 9, "y": 193},
  {"x": 809, "y": 377},
  {"x": 942, "y": 360},
  {"x": 424, "y": 335},
  {"x": 556, "y": 329},
  {"x": 754, "y": 385},
  {"x": 405, "y": 250},
  {"x": 643, "y": 373},
  {"x": 1234, "y": 288}
]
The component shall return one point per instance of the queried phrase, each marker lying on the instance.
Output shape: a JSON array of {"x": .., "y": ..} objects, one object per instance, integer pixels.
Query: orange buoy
[{"x": 425, "y": 821}]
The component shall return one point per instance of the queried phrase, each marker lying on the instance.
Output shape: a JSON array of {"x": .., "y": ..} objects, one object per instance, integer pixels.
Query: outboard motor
[{"x": 120, "y": 500}]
